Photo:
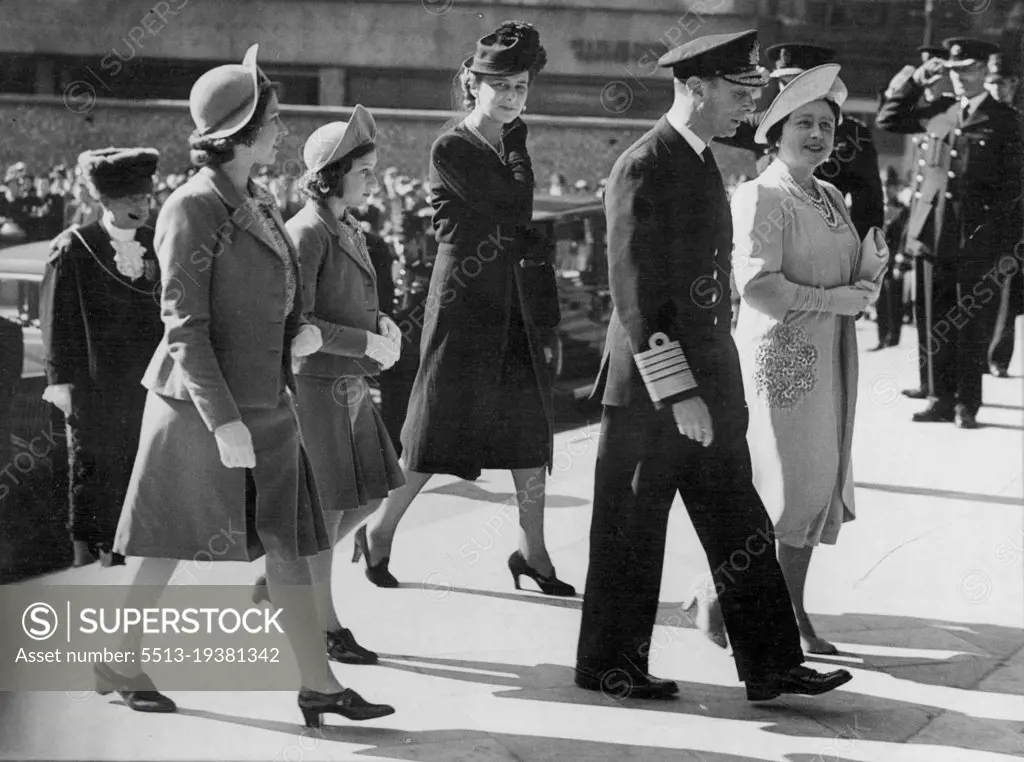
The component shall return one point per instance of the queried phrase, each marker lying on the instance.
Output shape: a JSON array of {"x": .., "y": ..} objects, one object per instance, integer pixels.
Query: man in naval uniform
[
  {"x": 101, "y": 323},
  {"x": 965, "y": 216},
  {"x": 852, "y": 167},
  {"x": 674, "y": 418}
]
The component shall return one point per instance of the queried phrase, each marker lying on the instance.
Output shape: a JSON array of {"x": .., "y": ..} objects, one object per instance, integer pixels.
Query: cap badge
[
  {"x": 755, "y": 54},
  {"x": 956, "y": 50}
]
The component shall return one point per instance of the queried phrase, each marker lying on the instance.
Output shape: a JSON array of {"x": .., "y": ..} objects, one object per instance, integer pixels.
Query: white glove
[
  {"x": 307, "y": 341},
  {"x": 382, "y": 350},
  {"x": 389, "y": 328},
  {"x": 235, "y": 444},
  {"x": 59, "y": 395}
]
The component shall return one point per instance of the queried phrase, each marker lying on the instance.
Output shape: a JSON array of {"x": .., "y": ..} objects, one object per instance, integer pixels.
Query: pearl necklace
[
  {"x": 500, "y": 150},
  {"x": 819, "y": 201}
]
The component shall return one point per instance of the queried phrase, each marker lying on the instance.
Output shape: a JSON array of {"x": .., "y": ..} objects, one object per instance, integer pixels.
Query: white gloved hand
[
  {"x": 381, "y": 350},
  {"x": 307, "y": 341},
  {"x": 389, "y": 328},
  {"x": 59, "y": 395}
]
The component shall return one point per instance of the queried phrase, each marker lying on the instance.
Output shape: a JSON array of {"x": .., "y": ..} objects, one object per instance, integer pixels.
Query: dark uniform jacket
[
  {"x": 100, "y": 327},
  {"x": 966, "y": 205},
  {"x": 669, "y": 264},
  {"x": 852, "y": 167}
]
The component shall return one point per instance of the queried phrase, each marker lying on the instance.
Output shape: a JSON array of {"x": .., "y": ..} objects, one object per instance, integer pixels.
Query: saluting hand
[
  {"x": 694, "y": 421},
  {"x": 307, "y": 341},
  {"x": 235, "y": 444}
]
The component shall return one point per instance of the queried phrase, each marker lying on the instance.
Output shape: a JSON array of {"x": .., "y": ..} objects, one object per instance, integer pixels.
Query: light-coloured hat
[
  {"x": 335, "y": 140},
  {"x": 224, "y": 99},
  {"x": 821, "y": 82}
]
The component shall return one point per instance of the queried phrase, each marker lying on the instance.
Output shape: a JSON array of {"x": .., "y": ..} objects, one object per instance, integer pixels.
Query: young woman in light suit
[
  {"x": 353, "y": 460},
  {"x": 219, "y": 445}
]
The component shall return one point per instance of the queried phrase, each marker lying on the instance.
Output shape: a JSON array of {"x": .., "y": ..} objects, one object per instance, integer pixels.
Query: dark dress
[
  {"x": 100, "y": 329},
  {"x": 482, "y": 394}
]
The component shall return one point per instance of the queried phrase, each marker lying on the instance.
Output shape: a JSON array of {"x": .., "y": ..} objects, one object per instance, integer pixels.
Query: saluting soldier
[
  {"x": 965, "y": 214},
  {"x": 935, "y": 83},
  {"x": 853, "y": 165},
  {"x": 674, "y": 418},
  {"x": 101, "y": 324}
]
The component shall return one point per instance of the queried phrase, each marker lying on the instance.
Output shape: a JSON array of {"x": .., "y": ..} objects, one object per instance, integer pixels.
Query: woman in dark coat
[
  {"x": 219, "y": 446},
  {"x": 353, "y": 461},
  {"x": 482, "y": 395}
]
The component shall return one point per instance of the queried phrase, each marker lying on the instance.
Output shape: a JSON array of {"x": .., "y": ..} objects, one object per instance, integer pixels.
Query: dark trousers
[
  {"x": 1004, "y": 335},
  {"x": 103, "y": 438},
  {"x": 889, "y": 308},
  {"x": 966, "y": 305},
  {"x": 642, "y": 462},
  {"x": 921, "y": 324}
]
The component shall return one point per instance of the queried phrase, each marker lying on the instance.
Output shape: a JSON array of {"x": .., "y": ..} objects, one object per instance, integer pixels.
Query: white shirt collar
[
  {"x": 689, "y": 135},
  {"x": 116, "y": 233}
]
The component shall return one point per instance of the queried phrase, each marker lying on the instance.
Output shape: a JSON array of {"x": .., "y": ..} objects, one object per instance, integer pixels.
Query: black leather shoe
[
  {"x": 801, "y": 681},
  {"x": 137, "y": 692},
  {"x": 916, "y": 394},
  {"x": 965, "y": 419},
  {"x": 934, "y": 413},
  {"x": 342, "y": 647},
  {"x": 618, "y": 683}
]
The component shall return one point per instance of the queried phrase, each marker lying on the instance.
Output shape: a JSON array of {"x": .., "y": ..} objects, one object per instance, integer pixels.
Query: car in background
[
  {"x": 33, "y": 450},
  {"x": 575, "y": 230}
]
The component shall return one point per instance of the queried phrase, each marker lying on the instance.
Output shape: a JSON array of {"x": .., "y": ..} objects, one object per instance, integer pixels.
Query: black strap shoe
[
  {"x": 622, "y": 683},
  {"x": 347, "y": 703},
  {"x": 801, "y": 681},
  {"x": 342, "y": 647},
  {"x": 138, "y": 692},
  {"x": 934, "y": 413}
]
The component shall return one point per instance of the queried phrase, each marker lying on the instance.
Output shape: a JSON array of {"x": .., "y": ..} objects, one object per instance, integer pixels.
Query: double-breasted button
[
  {"x": 954, "y": 154},
  {"x": 920, "y": 162},
  {"x": 981, "y": 143},
  {"x": 951, "y": 174},
  {"x": 920, "y": 178},
  {"x": 958, "y": 132},
  {"x": 949, "y": 195},
  {"x": 924, "y": 146},
  {"x": 917, "y": 195}
]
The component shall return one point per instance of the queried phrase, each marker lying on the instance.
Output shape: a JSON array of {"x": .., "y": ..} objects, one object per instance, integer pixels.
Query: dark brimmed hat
[
  {"x": 733, "y": 57},
  {"x": 999, "y": 69},
  {"x": 967, "y": 51},
  {"x": 336, "y": 140},
  {"x": 512, "y": 48},
  {"x": 120, "y": 172},
  {"x": 788, "y": 59},
  {"x": 224, "y": 99}
]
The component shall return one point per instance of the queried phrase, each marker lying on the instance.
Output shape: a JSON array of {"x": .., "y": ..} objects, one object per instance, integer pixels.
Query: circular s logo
[{"x": 39, "y": 621}]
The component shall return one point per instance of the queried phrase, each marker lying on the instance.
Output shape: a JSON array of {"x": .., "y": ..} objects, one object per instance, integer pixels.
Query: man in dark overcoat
[
  {"x": 965, "y": 219},
  {"x": 674, "y": 417},
  {"x": 101, "y": 324},
  {"x": 853, "y": 165},
  {"x": 889, "y": 307}
]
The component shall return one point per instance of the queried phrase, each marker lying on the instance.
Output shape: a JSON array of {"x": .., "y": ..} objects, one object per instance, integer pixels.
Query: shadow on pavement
[{"x": 473, "y": 491}]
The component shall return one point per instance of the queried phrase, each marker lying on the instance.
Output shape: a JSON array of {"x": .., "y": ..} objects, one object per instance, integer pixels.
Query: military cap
[
  {"x": 120, "y": 172},
  {"x": 335, "y": 140},
  {"x": 790, "y": 58},
  {"x": 733, "y": 57},
  {"x": 928, "y": 52},
  {"x": 512, "y": 48},
  {"x": 223, "y": 100},
  {"x": 967, "y": 51}
]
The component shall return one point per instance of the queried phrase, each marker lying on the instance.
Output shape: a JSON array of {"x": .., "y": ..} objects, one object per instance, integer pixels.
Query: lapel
[
  {"x": 980, "y": 114},
  {"x": 245, "y": 214},
  {"x": 688, "y": 162},
  {"x": 348, "y": 241}
]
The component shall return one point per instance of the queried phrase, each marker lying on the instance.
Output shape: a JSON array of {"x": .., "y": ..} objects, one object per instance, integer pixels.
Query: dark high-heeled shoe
[
  {"x": 378, "y": 573},
  {"x": 342, "y": 647},
  {"x": 548, "y": 585},
  {"x": 347, "y": 703},
  {"x": 138, "y": 692}
]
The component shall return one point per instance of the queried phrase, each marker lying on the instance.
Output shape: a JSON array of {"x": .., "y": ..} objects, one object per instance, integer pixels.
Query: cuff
[{"x": 664, "y": 369}]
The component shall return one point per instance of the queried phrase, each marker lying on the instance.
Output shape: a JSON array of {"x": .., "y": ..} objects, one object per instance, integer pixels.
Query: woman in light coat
[
  {"x": 219, "y": 454},
  {"x": 795, "y": 259}
]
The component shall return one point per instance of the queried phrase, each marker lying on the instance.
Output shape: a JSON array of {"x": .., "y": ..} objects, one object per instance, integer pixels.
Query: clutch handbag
[{"x": 873, "y": 257}]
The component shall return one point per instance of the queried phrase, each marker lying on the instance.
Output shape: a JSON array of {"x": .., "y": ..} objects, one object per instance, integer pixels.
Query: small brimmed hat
[
  {"x": 335, "y": 140},
  {"x": 821, "y": 82},
  {"x": 120, "y": 172},
  {"x": 224, "y": 99},
  {"x": 967, "y": 51},
  {"x": 733, "y": 57},
  {"x": 788, "y": 59},
  {"x": 512, "y": 48}
]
